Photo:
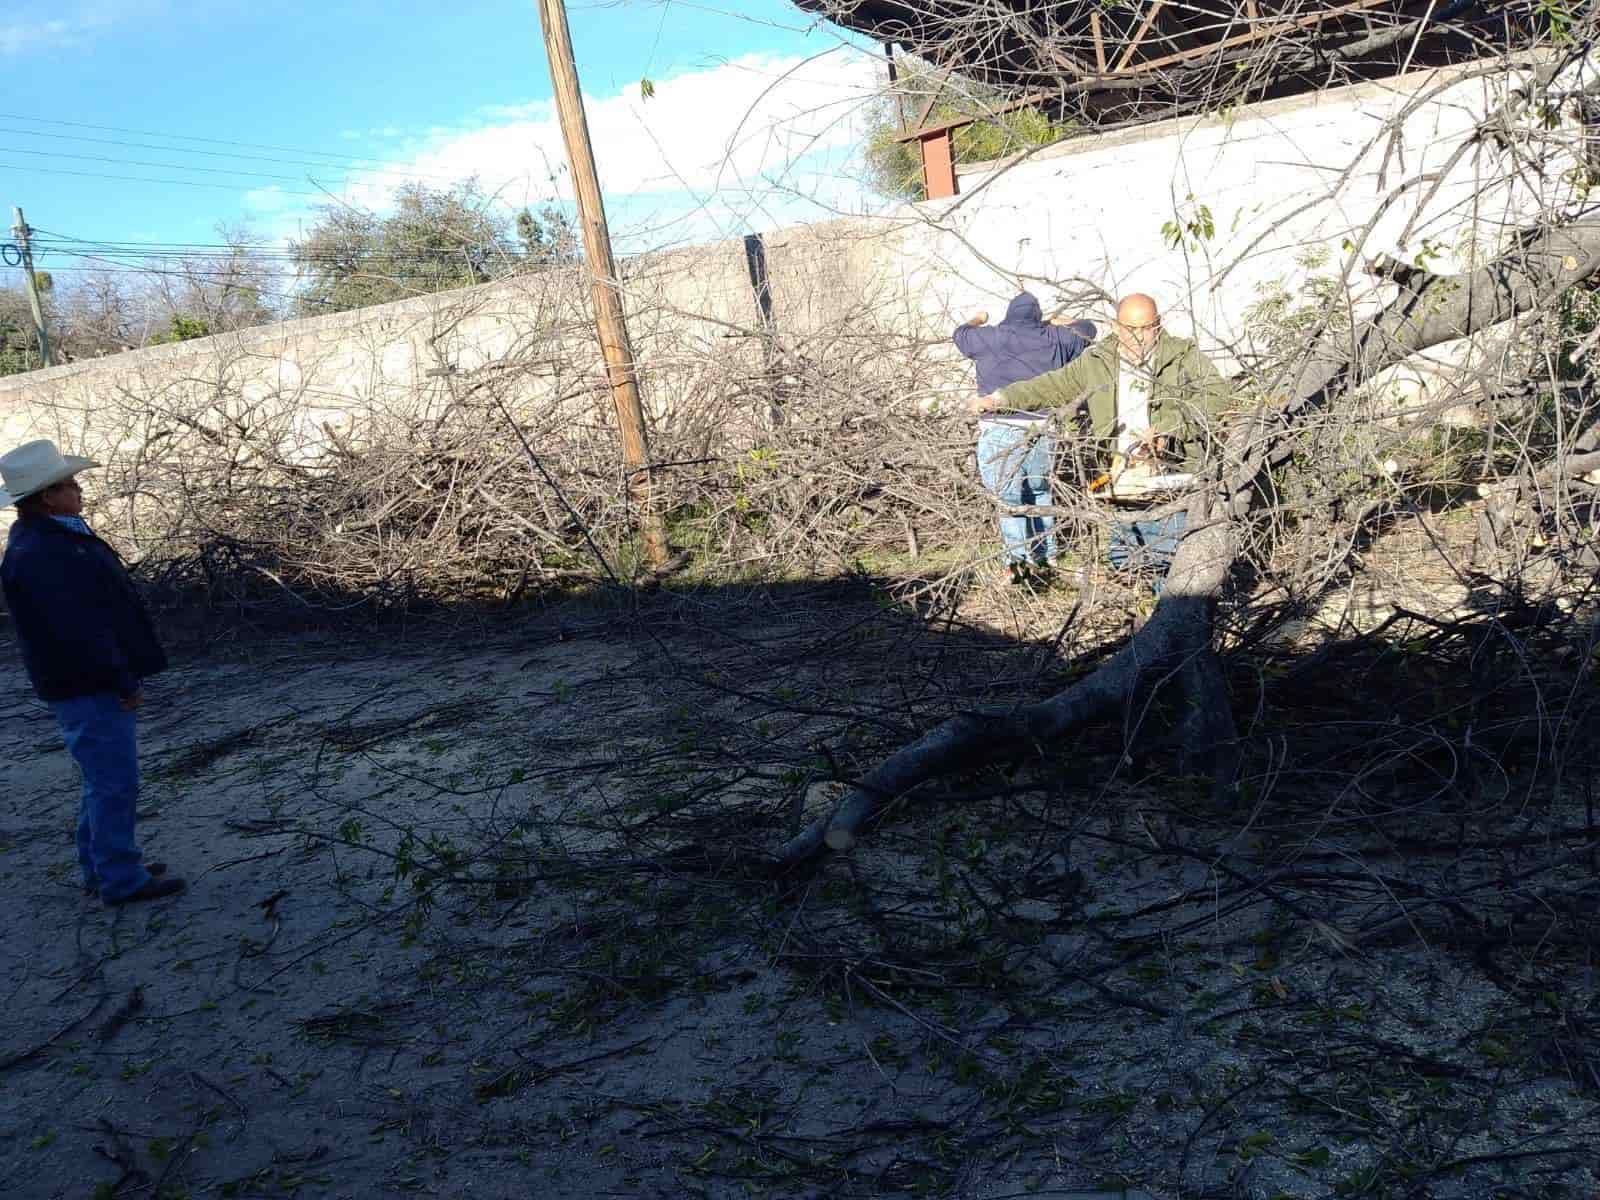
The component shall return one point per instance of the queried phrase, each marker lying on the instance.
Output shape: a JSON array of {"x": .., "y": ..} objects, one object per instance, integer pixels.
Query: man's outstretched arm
[
  {"x": 1050, "y": 390},
  {"x": 966, "y": 336}
]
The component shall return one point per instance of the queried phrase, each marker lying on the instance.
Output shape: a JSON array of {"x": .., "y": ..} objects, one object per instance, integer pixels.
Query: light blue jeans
[
  {"x": 103, "y": 740},
  {"x": 1148, "y": 545},
  {"x": 1018, "y": 472}
]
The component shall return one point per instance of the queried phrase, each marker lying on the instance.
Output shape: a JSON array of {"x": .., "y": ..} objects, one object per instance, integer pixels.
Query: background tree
[
  {"x": 548, "y": 237},
  {"x": 19, "y": 351},
  {"x": 121, "y": 305},
  {"x": 104, "y": 312},
  {"x": 232, "y": 289},
  {"x": 433, "y": 240},
  {"x": 894, "y": 168}
]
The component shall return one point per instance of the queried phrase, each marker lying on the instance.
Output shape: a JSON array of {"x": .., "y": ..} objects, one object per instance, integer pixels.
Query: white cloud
[
  {"x": 270, "y": 200},
  {"x": 18, "y": 37},
  {"x": 754, "y": 142},
  {"x": 46, "y": 26}
]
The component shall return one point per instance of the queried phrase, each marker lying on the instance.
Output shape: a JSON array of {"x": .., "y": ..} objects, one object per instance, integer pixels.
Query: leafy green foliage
[
  {"x": 1283, "y": 319},
  {"x": 1190, "y": 226},
  {"x": 1577, "y": 313},
  {"x": 433, "y": 240},
  {"x": 894, "y": 168},
  {"x": 183, "y": 329},
  {"x": 18, "y": 350},
  {"x": 1558, "y": 18}
]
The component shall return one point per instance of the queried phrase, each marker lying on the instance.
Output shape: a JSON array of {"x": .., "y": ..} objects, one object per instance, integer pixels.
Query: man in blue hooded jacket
[
  {"x": 87, "y": 644},
  {"x": 1015, "y": 450}
]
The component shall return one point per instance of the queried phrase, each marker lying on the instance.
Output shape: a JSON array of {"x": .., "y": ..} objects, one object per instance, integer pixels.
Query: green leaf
[{"x": 1253, "y": 1145}]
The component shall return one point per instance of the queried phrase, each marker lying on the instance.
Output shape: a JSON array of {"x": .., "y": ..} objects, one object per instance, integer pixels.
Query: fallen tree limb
[
  {"x": 1176, "y": 640},
  {"x": 23, "y": 1056}
]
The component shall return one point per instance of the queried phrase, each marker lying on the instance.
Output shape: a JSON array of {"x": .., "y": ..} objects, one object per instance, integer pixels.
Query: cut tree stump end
[{"x": 840, "y": 839}]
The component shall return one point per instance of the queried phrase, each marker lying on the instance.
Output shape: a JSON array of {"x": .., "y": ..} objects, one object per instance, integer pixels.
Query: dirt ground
[{"x": 475, "y": 911}]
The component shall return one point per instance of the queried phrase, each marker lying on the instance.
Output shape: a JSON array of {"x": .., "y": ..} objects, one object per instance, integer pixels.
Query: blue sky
[{"x": 755, "y": 122}]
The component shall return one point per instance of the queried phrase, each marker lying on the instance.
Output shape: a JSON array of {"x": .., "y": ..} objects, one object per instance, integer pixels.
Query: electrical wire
[
  {"x": 60, "y": 245},
  {"x": 139, "y": 162},
  {"x": 298, "y": 162},
  {"x": 223, "y": 264},
  {"x": 226, "y": 187},
  {"x": 186, "y": 137},
  {"x": 52, "y": 238},
  {"x": 242, "y": 187},
  {"x": 231, "y": 274}
]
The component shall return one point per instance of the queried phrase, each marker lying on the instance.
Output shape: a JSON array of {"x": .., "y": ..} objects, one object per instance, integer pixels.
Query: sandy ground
[
  {"x": 295, "y": 1024},
  {"x": 435, "y": 943}
]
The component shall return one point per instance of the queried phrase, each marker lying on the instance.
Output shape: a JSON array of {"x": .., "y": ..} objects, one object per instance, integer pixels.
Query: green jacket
[{"x": 1187, "y": 395}]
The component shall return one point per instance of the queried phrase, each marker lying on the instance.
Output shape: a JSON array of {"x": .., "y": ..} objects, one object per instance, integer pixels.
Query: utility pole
[
  {"x": 602, "y": 267},
  {"x": 20, "y": 231}
]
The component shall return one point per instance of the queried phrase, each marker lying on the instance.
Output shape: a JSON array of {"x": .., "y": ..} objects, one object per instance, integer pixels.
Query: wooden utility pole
[
  {"x": 602, "y": 267},
  {"x": 20, "y": 231}
]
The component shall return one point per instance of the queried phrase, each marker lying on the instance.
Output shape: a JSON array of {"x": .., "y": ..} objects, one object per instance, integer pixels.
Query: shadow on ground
[{"x": 473, "y": 913}]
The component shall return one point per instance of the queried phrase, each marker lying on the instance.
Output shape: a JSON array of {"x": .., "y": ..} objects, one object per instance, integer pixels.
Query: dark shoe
[
  {"x": 153, "y": 889},
  {"x": 1029, "y": 576},
  {"x": 157, "y": 870}
]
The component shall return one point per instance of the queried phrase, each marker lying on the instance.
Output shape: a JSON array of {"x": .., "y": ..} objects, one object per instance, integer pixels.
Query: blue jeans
[
  {"x": 1019, "y": 473},
  {"x": 103, "y": 741},
  {"x": 1148, "y": 545}
]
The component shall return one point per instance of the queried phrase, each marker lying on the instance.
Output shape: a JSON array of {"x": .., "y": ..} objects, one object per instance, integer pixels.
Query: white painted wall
[{"x": 1280, "y": 179}]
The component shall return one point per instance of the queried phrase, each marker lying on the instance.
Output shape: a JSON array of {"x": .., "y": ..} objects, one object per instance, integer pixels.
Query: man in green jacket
[{"x": 1151, "y": 400}]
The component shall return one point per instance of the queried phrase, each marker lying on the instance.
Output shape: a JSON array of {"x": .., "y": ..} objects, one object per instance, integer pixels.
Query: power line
[
  {"x": 186, "y": 137},
  {"x": 166, "y": 166},
  {"x": 57, "y": 243},
  {"x": 177, "y": 248},
  {"x": 418, "y": 255},
  {"x": 419, "y": 263},
  {"x": 298, "y": 162},
  {"x": 194, "y": 276},
  {"x": 226, "y": 187},
  {"x": 50, "y": 242},
  {"x": 110, "y": 267},
  {"x": 156, "y": 249},
  {"x": 63, "y": 244}
]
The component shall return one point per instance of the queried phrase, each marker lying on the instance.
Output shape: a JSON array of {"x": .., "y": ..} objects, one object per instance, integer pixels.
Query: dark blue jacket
[
  {"x": 81, "y": 624},
  {"x": 1022, "y": 346}
]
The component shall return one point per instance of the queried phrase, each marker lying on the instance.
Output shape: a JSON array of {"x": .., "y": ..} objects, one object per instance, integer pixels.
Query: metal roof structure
[{"x": 1105, "y": 63}]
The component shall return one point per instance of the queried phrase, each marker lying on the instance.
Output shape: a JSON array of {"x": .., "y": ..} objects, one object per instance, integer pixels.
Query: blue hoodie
[{"x": 1022, "y": 346}]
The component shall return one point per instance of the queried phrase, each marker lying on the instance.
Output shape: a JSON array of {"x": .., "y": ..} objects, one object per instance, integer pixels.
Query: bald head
[
  {"x": 1138, "y": 326},
  {"x": 1136, "y": 309}
]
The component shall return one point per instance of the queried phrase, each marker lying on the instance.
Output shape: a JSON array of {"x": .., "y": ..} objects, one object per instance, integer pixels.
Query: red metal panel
[{"x": 938, "y": 165}]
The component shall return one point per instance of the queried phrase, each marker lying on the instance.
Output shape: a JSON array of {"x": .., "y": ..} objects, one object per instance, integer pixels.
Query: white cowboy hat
[{"x": 34, "y": 467}]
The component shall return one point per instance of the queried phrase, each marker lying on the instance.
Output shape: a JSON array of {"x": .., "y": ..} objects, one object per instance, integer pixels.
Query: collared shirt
[
  {"x": 1134, "y": 382},
  {"x": 76, "y": 524}
]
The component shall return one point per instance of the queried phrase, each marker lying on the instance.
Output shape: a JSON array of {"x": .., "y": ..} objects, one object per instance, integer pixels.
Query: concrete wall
[{"x": 1284, "y": 183}]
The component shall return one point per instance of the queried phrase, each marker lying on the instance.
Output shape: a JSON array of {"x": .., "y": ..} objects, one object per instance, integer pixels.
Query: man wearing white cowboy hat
[{"x": 87, "y": 643}]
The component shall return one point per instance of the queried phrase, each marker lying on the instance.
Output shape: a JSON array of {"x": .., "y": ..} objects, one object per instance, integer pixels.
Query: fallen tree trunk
[{"x": 1175, "y": 643}]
